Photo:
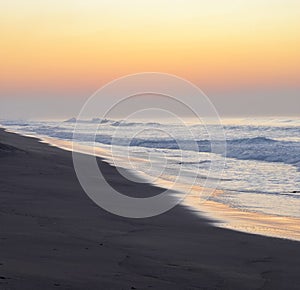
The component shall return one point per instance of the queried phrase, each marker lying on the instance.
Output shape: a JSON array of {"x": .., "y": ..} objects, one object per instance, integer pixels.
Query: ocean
[{"x": 260, "y": 172}]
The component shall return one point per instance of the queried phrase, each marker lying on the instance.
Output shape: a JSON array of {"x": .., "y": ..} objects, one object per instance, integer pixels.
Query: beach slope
[{"x": 54, "y": 237}]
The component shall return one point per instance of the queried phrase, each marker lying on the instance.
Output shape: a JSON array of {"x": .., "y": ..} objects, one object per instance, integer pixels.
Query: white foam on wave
[{"x": 260, "y": 158}]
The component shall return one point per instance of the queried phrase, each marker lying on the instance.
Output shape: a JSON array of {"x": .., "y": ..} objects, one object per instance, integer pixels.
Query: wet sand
[
  {"x": 246, "y": 221},
  {"x": 54, "y": 237},
  {"x": 221, "y": 214}
]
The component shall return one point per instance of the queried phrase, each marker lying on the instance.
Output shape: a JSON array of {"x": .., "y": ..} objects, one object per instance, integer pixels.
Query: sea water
[{"x": 262, "y": 165}]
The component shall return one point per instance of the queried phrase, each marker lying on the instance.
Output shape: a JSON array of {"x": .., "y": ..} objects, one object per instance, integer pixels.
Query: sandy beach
[{"x": 54, "y": 237}]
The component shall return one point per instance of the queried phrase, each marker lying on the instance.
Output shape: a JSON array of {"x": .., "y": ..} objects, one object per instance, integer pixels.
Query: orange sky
[{"x": 79, "y": 45}]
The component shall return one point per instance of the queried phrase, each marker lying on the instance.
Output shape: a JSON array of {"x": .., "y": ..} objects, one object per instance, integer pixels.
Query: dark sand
[{"x": 54, "y": 237}]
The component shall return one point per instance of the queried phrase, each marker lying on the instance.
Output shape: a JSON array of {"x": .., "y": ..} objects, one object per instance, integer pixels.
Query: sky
[{"x": 245, "y": 55}]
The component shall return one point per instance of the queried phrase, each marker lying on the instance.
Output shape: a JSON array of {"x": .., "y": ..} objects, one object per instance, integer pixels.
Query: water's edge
[{"x": 221, "y": 215}]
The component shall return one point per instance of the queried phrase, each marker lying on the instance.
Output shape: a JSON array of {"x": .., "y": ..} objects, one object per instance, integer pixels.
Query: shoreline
[
  {"x": 220, "y": 214},
  {"x": 53, "y": 236}
]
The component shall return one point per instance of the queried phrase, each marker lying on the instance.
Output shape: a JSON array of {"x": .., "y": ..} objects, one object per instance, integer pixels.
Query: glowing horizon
[
  {"x": 233, "y": 44},
  {"x": 66, "y": 47}
]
